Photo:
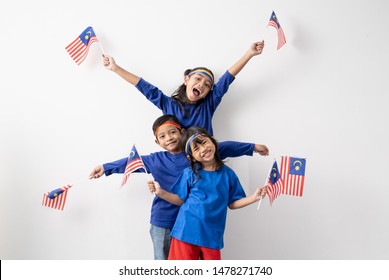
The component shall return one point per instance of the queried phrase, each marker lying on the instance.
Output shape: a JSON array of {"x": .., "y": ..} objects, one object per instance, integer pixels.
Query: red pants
[{"x": 184, "y": 251}]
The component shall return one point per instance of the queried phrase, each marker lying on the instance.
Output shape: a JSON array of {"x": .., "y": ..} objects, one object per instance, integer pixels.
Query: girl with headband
[
  {"x": 203, "y": 191},
  {"x": 166, "y": 166},
  {"x": 196, "y": 100}
]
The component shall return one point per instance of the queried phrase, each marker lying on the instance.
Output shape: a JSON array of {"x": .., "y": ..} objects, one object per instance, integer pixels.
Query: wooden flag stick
[
  {"x": 148, "y": 174},
  {"x": 101, "y": 47},
  {"x": 260, "y": 201},
  {"x": 98, "y": 41}
]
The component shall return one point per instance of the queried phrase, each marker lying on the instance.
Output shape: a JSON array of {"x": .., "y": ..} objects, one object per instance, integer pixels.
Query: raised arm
[
  {"x": 255, "y": 49},
  {"x": 243, "y": 202},
  {"x": 110, "y": 64}
]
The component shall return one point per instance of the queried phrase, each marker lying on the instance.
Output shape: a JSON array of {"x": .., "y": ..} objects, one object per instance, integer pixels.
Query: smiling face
[
  {"x": 197, "y": 86},
  {"x": 203, "y": 151},
  {"x": 168, "y": 137}
]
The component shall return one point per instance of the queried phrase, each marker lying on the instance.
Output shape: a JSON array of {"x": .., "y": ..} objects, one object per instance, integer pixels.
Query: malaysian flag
[
  {"x": 57, "y": 198},
  {"x": 79, "y": 48},
  {"x": 274, "y": 184},
  {"x": 134, "y": 163},
  {"x": 293, "y": 175},
  {"x": 276, "y": 24}
]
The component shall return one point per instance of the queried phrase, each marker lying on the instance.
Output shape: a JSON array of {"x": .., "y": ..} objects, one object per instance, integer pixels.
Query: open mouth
[{"x": 196, "y": 92}]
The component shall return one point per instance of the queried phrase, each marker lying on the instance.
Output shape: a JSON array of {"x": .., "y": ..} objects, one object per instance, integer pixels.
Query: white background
[{"x": 323, "y": 96}]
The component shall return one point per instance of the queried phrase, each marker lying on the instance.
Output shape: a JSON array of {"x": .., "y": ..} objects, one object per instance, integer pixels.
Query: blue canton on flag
[
  {"x": 274, "y": 184},
  {"x": 280, "y": 32},
  {"x": 297, "y": 166},
  {"x": 293, "y": 175},
  {"x": 134, "y": 163},
  {"x": 53, "y": 194},
  {"x": 79, "y": 48},
  {"x": 87, "y": 35},
  {"x": 57, "y": 198}
]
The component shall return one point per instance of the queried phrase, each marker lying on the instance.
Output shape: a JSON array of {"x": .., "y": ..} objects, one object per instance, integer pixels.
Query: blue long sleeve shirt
[
  {"x": 166, "y": 168},
  {"x": 198, "y": 114}
]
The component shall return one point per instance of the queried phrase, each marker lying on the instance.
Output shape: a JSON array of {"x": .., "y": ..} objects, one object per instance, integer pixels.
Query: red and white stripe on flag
[
  {"x": 59, "y": 201},
  {"x": 78, "y": 50},
  {"x": 293, "y": 184},
  {"x": 281, "y": 38},
  {"x": 274, "y": 191},
  {"x": 131, "y": 167},
  {"x": 280, "y": 32}
]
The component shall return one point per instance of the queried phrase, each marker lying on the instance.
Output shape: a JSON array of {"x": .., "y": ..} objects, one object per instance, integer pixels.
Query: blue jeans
[{"x": 161, "y": 242}]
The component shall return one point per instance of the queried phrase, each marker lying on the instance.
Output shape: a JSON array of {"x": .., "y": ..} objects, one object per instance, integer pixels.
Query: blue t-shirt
[
  {"x": 202, "y": 217},
  {"x": 166, "y": 168},
  {"x": 199, "y": 114}
]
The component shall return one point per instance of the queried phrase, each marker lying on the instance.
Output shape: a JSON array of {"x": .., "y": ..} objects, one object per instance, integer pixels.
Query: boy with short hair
[{"x": 166, "y": 166}]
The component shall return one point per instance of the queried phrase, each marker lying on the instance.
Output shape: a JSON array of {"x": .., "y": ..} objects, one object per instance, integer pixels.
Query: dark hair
[
  {"x": 179, "y": 95},
  {"x": 165, "y": 118},
  {"x": 196, "y": 166}
]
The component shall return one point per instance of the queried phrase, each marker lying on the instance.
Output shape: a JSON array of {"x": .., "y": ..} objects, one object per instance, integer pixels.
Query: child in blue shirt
[
  {"x": 204, "y": 191},
  {"x": 196, "y": 100},
  {"x": 166, "y": 166}
]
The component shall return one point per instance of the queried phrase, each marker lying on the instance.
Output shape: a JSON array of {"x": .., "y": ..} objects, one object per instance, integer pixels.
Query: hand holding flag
[
  {"x": 290, "y": 180},
  {"x": 273, "y": 184}
]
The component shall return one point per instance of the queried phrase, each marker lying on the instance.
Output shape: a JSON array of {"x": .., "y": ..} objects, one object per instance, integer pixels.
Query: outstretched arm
[
  {"x": 243, "y": 202},
  {"x": 110, "y": 64},
  {"x": 261, "y": 149},
  {"x": 237, "y": 149},
  {"x": 255, "y": 49},
  {"x": 155, "y": 188}
]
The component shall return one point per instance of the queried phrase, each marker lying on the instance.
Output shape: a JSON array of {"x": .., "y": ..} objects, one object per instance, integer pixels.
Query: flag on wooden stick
[
  {"x": 134, "y": 163},
  {"x": 293, "y": 175},
  {"x": 274, "y": 184},
  {"x": 57, "y": 198}
]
